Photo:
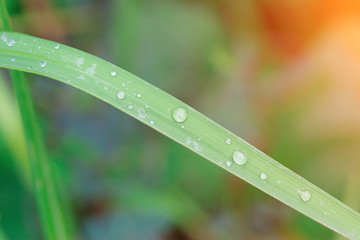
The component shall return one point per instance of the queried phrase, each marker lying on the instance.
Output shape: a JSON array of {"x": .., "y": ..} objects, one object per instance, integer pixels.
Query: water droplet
[
  {"x": 263, "y": 176},
  {"x": 57, "y": 46},
  {"x": 239, "y": 157},
  {"x": 123, "y": 84},
  {"x": 228, "y": 163},
  {"x": 130, "y": 107},
  {"x": 304, "y": 195},
  {"x": 141, "y": 113},
  {"x": 43, "y": 63},
  {"x": 120, "y": 95},
  {"x": 152, "y": 122},
  {"x": 228, "y": 141},
  {"x": 146, "y": 106},
  {"x": 113, "y": 73},
  {"x": 13, "y": 59},
  {"x": 11, "y": 43},
  {"x": 221, "y": 162},
  {"x": 182, "y": 126},
  {"x": 179, "y": 114},
  {"x": 138, "y": 95},
  {"x": 4, "y": 38}
]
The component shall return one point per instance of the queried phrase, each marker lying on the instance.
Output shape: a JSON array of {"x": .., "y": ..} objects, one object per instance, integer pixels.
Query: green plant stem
[{"x": 45, "y": 190}]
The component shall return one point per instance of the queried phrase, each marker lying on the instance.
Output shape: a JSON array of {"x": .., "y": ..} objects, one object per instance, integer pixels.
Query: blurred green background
[{"x": 284, "y": 75}]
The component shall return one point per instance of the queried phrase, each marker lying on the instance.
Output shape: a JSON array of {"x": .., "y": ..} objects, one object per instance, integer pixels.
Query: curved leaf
[{"x": 192, "y": 129}]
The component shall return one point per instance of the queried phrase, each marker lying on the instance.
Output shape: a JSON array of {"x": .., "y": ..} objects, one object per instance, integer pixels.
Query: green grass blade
[
  {"x": 45, "y": 190},
  {"x": 155, "y": 108},
  {"x": 2, "y": 235},
  {"x": 13, "y": 132}
]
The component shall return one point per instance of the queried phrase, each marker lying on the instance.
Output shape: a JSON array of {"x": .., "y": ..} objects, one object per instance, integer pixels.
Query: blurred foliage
[{"x": 286, "y": 71}]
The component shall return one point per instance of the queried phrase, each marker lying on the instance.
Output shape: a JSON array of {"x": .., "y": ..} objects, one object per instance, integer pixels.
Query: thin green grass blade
[
  {"x": 46, "y": 193},
  {"x": 192, "y": 129},
  {"x": 2, "y": 235},
  {"x": 12, "y": 129}
]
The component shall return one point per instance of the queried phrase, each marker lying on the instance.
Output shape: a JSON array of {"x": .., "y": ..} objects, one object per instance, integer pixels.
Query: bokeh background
[{"x": 284, "y": 75}]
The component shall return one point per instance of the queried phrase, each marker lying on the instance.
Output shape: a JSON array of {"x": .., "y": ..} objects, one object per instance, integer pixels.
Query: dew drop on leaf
[
  {"x": 113, "y": 73},
  {"x": 239, "y": 157},
  {"x": 228, "y": 141},
  {"x": 11, "y": 43},
  {"x": 263, "y": 176},
  {"x": 43, "y": 63},
  {"x": 179, "y": 114},
  {"x": 120, "y": 95},
  {"x": 304, "y": 195}
]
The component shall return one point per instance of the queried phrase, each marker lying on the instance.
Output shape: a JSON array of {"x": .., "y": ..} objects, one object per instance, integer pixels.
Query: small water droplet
[
  {"x": 228, "y": 163},
  {"x": 57, "y": 46},
  {"x": 228, "y": 141},
  {"x": 146, "y": 106},
  {"x": 130, "y": 107},
  {"x": 304, "y": 195},
  {"x": 221, "y": 162},
  {"x": 113, "y": 73},
  {"x": 120, "y": 95},
  {"x": 138, "y": 95},
  {"x": 123, "y": 84},
  {"x": 13, "y": 59},
  {"x": 182, "y": 126},
  {"x": 179, "y": 114},
  {"x": 239, "y": 157},
  {"x": 43, "y": 63},
  {"x": 263, "y": 176},
  {"x": 11, "y": 43},
  {"x": 152, "y": 122}
]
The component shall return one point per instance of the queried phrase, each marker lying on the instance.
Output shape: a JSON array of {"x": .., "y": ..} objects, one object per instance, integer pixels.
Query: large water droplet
[
  {"x": 43, "y": 63},
  {"x": 239, "y": 157},
  {"x": 179, "y": 114},
  {"x": 228, "y": 141},
  {"x": 263, "y": 176},
  {"x": 305, "y": 195},
  {"x": 113, "y": 73},
  {"x": 120, "y": 95}
]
